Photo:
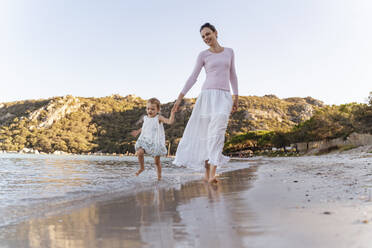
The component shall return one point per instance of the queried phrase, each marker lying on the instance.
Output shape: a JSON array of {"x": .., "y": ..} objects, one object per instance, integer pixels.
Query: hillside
[
  {"x": 325, "y": 124},
  {"x": 81, "y": 125}
]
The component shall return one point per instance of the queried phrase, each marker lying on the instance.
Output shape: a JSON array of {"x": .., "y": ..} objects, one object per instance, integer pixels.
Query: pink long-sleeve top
[{"x": 219, "y": 69}]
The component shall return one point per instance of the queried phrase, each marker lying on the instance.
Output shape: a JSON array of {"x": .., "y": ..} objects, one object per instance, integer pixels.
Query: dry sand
[{"x": 317, "y": 201}]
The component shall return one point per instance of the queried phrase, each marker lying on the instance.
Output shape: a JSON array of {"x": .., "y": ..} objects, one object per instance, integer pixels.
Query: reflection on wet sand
[{"x": 195, "y": 215}]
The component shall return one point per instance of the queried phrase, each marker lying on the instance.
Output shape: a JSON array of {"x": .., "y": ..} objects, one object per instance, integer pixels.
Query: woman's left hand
[
  {"x": 235, "y": 104},
  {"x": 178, "y": 102},
  {"x": 175, "y": 107}
]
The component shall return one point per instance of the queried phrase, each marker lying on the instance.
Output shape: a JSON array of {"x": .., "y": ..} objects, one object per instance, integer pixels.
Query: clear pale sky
[{"x": 91, "y": 48}]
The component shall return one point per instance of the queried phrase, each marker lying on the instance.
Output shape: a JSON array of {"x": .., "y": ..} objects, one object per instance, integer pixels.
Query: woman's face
[{"x": 208, "y": 36}]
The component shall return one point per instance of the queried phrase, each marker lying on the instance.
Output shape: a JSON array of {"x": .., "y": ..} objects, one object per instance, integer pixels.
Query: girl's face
[
  {"x": 152, "y": 109},
  {"x": 208, "y": 36}
]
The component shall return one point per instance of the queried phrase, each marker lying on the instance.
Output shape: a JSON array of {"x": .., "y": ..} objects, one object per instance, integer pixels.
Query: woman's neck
[{"x": 216, "y": 48}]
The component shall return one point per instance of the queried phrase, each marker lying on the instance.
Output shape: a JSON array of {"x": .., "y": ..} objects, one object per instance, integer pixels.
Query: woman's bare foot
[
  {"x": 214, "y": 187},
  {"x": 213, "y": 180},
  {"x": 139, "y": 172},
  {"x": 159, "y": 177},
  {"x": 213, "y": 175}
]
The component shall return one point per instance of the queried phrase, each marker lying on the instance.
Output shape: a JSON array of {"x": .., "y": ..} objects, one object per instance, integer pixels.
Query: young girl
[{"x": 152, "y": 138}]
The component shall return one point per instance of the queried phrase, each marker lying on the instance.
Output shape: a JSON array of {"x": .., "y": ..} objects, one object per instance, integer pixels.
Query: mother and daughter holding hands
[{"x": 203, "y": 139}]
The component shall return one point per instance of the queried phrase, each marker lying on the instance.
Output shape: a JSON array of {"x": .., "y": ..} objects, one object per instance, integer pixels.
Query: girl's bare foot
[
  {"x": 158, "y": 166},
  {"x": 140, "y": 154},
  {"x": 139, "y": 172}
]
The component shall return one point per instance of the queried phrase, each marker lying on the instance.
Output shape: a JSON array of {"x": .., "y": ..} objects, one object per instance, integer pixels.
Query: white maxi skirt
[{"x": 204, "y": 135}]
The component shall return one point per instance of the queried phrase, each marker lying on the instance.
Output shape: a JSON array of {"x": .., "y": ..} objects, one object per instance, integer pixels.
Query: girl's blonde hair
[{"x": 154, "y": 101}]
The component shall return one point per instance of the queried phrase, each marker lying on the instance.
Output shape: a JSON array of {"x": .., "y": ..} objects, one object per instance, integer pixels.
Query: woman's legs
[
  {"x": 158, "y": 166},
  {"x": 207, "y": 171},
  {"x": 141, "y": 160},
  {"x": 212, "y": 175},
  {"x": 216, "y": 137}
]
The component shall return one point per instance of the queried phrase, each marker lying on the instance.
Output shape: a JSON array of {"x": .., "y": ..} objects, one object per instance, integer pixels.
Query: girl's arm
[
  {"x": 169, "y": 120},
  {"x": 134, "y": 133}
]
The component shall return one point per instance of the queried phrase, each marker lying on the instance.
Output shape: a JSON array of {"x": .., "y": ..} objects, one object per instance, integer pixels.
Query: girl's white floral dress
[{"x": 152, "y": 137}]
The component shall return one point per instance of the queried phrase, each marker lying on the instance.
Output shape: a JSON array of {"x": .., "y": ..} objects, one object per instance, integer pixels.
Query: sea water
[{"x": 39, "y": 185}]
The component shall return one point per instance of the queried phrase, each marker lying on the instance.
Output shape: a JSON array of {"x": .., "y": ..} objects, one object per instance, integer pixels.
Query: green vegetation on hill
[
  {"x": 271, "y": 113},
  {"x": 85, "y": 125},
  {"x": 334, "y": 121},
  {"x": 327, "y": 122},
  {"x": 257, "y": 140},
  {"x": 82, "y": 125}
]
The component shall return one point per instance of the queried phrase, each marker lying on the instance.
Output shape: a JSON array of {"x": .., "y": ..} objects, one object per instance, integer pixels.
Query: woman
[{"x": 203, "y": 139}]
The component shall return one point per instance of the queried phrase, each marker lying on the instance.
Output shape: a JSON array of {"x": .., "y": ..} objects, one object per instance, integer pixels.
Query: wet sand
[
  {"x": 284, "y": 202},
  {"x": 317, "y": 201}
]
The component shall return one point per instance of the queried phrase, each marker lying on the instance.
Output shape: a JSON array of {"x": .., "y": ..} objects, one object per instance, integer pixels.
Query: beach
[{"x": 309, "y": 201}]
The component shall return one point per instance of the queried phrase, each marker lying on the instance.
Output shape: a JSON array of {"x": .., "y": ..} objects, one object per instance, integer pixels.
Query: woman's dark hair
[{"x": 208, "y": 25}]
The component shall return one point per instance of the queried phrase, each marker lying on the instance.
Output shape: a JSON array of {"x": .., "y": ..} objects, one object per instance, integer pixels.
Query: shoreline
[
  {"x": 312, "y": 201},
  {"x": 366, "y": 148},
  {"x": 73, "y": 200}
]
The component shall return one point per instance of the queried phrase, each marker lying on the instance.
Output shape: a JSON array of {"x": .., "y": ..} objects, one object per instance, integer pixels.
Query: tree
[{"x": 280, "y": 139}]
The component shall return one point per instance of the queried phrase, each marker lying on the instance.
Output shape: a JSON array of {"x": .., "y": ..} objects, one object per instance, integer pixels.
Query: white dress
[
  {"x": 152, "y": 137},
  {"x": 204, "y": 135}
]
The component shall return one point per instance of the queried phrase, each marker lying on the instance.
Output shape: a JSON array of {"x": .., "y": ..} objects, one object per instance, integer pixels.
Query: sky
[{"x": 91, "y": 48}]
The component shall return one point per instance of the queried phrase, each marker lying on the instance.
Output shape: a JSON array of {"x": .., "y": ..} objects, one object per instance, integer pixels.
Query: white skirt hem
[{"x": 204, "y": 135}]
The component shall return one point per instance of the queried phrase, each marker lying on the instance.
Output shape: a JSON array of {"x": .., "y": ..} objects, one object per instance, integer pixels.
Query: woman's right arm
[
  {"x": 194, "y": 75},
  {"x": 191, "y": 80},
  {"x": 178, "y": 102}
]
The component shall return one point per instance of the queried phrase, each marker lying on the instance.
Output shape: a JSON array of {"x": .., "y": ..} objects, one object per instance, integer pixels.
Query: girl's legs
[
  {"x": 141, "y": 160},
  {"x": 207, "y": 171},
  {"x": 158, "y": 166}
]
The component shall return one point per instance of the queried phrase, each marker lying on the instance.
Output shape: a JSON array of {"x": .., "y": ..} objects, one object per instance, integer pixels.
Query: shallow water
[
  {"x": 37, "y": 185},
  {"x": 197, "y": 214}
]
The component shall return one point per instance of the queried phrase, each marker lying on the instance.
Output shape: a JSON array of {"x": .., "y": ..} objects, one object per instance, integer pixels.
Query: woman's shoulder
[
  {"x": 206, "y": 52},
  {"x": 203, "y": 53},
  {"x": 229, "y": 49}
]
